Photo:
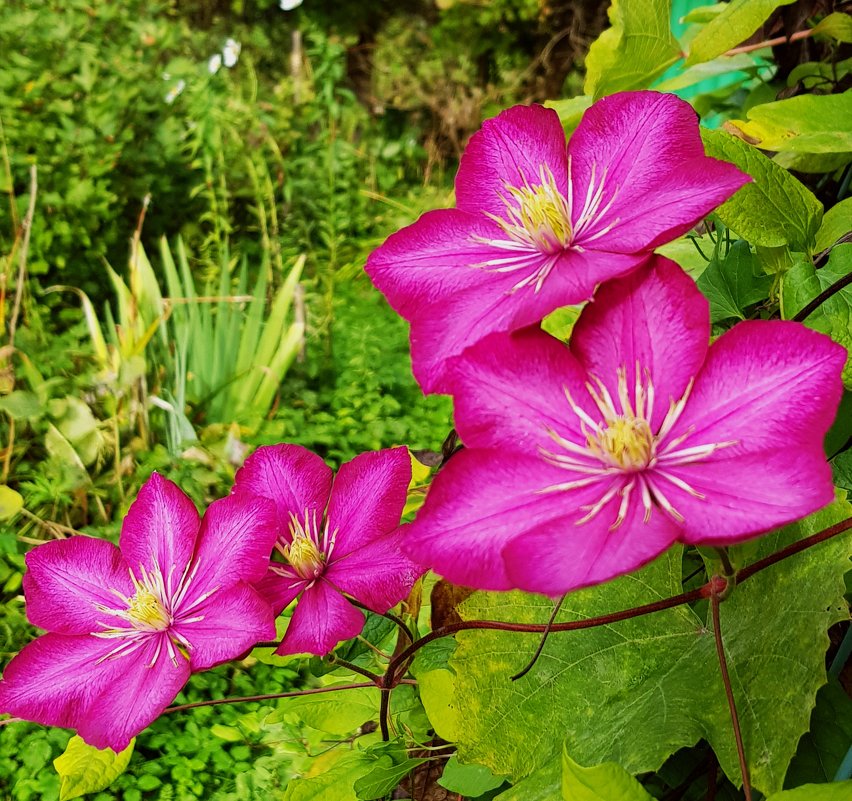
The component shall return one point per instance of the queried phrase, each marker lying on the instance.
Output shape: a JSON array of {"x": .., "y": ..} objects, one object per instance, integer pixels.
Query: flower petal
[
  {"x": 61, "y": 680},
  {"x": 225, "y": 625},
  {"x": 279, "y": 590},
  {"x": 67, "y": 580},
  {"x": 322, "y": 618},
  {"x": 367, "y": 498},
  {"x": 435, "y": 274},
  {"x": 747, "y": 494},
  {"x": 510, "y": 392},
  {"x": 510, "y": 148},
  {"x": 160, "y": 528},
  {"x": 295, "y": 479},
  {"x": 655, "y": 317},
  {"x": 378, "y": 574},
  {"x": 646, "y": 150},
  {"x": 237, "y": 535},
  {"x": 561, "y": 556},
  {"x": 479, "y": 503}
]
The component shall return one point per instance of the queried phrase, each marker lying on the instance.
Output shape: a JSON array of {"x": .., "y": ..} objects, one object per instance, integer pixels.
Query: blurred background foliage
[{"x": 188, "y": 192}]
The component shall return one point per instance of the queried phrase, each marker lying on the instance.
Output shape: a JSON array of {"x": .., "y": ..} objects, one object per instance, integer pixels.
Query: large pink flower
[
  {"x": 585, "y": 463},
  {"x": 336, "y": 535},
  {"x": 127, "y": 626},
  {"x": 537, "y": 226}
]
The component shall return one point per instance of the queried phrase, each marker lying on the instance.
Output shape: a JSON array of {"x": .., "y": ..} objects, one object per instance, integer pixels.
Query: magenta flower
[
  {"x": 537, "y": 226},
  {"x": 335, "y": 537},
  {"x": 126, "y": 626},
  {"x": 585, "y": 463}
]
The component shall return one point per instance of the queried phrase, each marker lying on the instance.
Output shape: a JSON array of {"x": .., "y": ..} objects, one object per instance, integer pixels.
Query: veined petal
[
  {"x": 295, "y": 479},
  {"x": 746, "y": 494},
  {"x": 67, "y": 580},
  {"x": 237, "y": 535},
  {"x": 367, "y": 499},
  {"x": 226, "y": 625},
  {"x": 510, "y": 149},
  {"x": 765, "y": 384},
  {"x": 160, "y": 529},
  {"x": 71, "y": 681},
  {"x": 378, "y": 574},
  {"x": 278, "y": 590},
  {"x": 479, "y": 503},
  {"x": 510, "y": 392},
  {"x": 656, "y": 318},
  {"x": 645, "y": 150},
  {"x": 562, "y": 556},
  {"x": 322, "y": 618}
]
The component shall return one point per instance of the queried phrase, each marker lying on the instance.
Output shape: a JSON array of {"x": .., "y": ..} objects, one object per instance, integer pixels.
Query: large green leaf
[
  {"x": 803, "y": 124},
  {"x": 804, "y": 282},
  {"x": 543, "y": 785},
  {"x": 734, "y": 282},
  {"x": 82, "y": 768},
  {"x": 774, "y": 209},
  {"x": 836, "y": 791},
  {"x": 635, "y": 51},
  {"x": 636, "y": 691},
  {"x": 332, "y": 779},
  {"x": 835, "y": 224},
  {"x": 604, "y": 782},
  {"x": 739, "y": 20}
]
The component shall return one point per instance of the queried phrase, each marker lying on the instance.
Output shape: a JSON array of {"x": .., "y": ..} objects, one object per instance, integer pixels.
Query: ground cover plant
[{"x": 353, "y": 486}]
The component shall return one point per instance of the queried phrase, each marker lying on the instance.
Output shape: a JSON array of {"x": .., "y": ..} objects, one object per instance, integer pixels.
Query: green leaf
[
  {"x": 436, "y": 684},
  {"x": 835, "y": 225},
  {"x": 543, "y": 785},
  {"x": 836, "y": 791},
  {"x": 82, "y": 768},
  {"x": 21, "y": 405},
  {"x": 468, "y": 780},
  {"x": 332, "y": 779},
  {"x": 635, "y": 51},
  {"x": 774, "y": 209},
  {"x": 338, "y": 713},
  {"x": 837, "y": 25},
  {"x": 834, "y": 317},
  {"x": 604, "y": 782},
  {"x": 570, "y": 110},
  {"x": 739, "y": 20},
  {"x": 734, "y": 283},
  {"x": 383, "y": 777},
  {"x": 826, "y": 742},
  {"x": 803, "y": 124},
  {"x": 11, "y": 502},
  {"x": 636, "y": 691},
  {"x": 724, "y": 65}
]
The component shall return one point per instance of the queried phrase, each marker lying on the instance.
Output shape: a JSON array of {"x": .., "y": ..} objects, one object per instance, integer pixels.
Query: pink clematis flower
[
  {"x": 585, "y": 463},
  {"x": 126, "y": 626},
  {"x": 336, "y": 535},
  {"x": 537, "y": 226}
]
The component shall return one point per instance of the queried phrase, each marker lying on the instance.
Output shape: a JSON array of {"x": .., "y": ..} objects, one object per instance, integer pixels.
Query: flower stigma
[
  {"x": 302, "y": 552},
  {"x": 627, "y": 442}
]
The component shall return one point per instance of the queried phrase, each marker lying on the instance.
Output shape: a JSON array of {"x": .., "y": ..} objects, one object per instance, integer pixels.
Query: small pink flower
[
  {"x": 585, "y": 463},
  {"x": 336, "y": 535},
  {"x": 537, "y": 226},
  {"x": 127, "y": 626}
]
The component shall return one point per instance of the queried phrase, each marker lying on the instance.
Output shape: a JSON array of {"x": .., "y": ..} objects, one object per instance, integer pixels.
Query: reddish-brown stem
[
  {"x": 778, "y": 40},
  {"x": 273, "y": 696},
  {"x": 384, "y": 713},
  {"x": 715, "y": 601},
  {"x": 367, "y": 674},
  {"x": 833, "y": 289}
]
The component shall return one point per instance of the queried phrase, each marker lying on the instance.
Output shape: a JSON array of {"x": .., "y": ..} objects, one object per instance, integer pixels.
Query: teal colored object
[{"x": 680, "y": 8}]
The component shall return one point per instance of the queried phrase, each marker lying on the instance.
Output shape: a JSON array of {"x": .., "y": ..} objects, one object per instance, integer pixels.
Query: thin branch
[
  {"x": 398, "y": 621},
  {"x": 529, "y": 666},
  {"x": 384, "y": 713},
  {"x": 715, "y": 601},
  {"x": 823, "y": 296},
  {"x": 373, "y": 677},
  {"x": 778, "y": 40},
  {"x": 26, "y": 226}
]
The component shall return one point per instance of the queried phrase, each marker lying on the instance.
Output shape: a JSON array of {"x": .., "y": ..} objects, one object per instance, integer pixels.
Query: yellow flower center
[
  {"x": 148, "y": 611},
  {"x": 304, "y": 556},
  {"x": 542, "y": 213},
  {"x": 627, "y": 442}
]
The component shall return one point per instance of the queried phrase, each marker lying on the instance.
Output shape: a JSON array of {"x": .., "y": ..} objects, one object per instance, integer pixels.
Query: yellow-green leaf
[
  {"x": 836, "y": 791},
  {"x": 837, "y": 25},
  {"x": 11, "y": 502},
  {"x": 739, "y": 20},
  {"x": 82, "y": 768},
  {"x": 599, "y": 783}
]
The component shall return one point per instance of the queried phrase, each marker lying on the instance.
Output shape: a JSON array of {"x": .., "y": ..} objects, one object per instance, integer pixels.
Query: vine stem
[
  {"x": 823, "y": 296},
  {"x": 715, "y": 602}
]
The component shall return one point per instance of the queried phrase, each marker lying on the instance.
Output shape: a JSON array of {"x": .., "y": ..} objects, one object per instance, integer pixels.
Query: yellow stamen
[
  {"x": 627, "y": 442},
  {"x": 147, "y": 610}
]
